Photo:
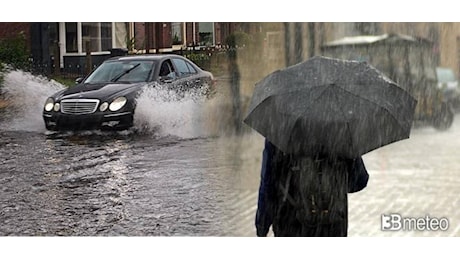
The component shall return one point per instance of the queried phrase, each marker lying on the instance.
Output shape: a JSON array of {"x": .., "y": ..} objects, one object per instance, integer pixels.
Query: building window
[
  {"x": 71, "y": 43},
  {"x": 206, "y": 34},
  {"x": 176, "y": 30},
  {"x": 99, "y": 34},
  {"x": 106, "y": 36},
  {"x": 78, "y": 34},
  {"x": 122, "y": 38},
  {"x": 90, "y": 32}
]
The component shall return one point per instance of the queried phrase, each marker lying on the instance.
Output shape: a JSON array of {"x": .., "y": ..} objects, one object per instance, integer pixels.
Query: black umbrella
[{"x": 324, "y": 105}]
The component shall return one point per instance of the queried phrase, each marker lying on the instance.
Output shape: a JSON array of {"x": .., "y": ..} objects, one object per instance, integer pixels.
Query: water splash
[
  {"x": 25, "y": 93},
  {"x": 166, "y": 113}
]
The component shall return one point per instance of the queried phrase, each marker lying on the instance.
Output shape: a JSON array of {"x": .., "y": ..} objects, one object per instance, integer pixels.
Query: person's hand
[{"x": 262, "y": 232}]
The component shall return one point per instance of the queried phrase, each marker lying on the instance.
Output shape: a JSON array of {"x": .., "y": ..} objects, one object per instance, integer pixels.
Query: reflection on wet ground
[{"x": 121, "y": 184}]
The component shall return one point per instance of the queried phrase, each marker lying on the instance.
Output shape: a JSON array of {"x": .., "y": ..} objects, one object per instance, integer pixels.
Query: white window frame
[
  {"x": 213, "y": 33},
  {"x": 62, "y": 41}
]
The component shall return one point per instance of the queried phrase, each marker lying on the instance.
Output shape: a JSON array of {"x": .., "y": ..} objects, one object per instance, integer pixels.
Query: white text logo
[{"x": 395, "y": 222}]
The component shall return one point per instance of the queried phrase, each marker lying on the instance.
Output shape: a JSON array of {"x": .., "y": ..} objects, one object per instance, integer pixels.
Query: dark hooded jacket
[{"x": 267, "y": 200}]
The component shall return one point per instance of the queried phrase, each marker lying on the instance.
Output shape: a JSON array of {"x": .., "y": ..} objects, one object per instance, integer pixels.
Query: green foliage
[
  {"x": 130, "y": 43},
  {"x": 14, "y": 52},
  {"x": 2, "y": 71},
  {"x": 199, "y": 58},
  {"x": 176, "y": 39},
  {"x": 238, "y": 39},
  {"x": 64, "y": 81}
]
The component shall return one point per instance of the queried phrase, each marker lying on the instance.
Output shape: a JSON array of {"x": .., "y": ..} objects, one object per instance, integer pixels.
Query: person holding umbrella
[
  {"x": 283, "y": 214},
  {"x": 319, "y": 117}
]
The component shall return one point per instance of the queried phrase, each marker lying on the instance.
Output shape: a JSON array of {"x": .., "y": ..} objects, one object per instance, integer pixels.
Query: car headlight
[
  {"x": 57, "y": 106},
  {"x": 104, "y": 106},
  {"x": 49, "y": 104},
  {"x": 117, "y": 104}
]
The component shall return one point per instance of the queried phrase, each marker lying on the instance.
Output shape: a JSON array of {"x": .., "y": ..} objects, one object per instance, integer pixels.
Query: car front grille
[{"x": 79, "y": 106}]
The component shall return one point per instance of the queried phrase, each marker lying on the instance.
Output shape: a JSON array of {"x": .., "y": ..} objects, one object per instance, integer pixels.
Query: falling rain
[{"x": 191, "y": 167}]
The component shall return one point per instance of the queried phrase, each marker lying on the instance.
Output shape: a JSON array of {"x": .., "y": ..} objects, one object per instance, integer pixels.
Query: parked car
[
  {"x": 106, "y": 98},
  {"x": 448, "y": 83}
]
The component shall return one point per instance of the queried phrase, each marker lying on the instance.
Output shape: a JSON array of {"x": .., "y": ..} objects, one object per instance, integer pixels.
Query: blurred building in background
[{"x": 65, "y": 44}]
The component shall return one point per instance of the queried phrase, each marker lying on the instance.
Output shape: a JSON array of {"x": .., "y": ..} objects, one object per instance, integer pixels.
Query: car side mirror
[
  {"x": 166, "y": 79},
  {"x": 78, "y": 80}
]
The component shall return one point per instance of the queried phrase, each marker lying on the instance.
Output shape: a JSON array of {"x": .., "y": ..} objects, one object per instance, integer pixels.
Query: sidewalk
[{"x": 415, "y": 178}]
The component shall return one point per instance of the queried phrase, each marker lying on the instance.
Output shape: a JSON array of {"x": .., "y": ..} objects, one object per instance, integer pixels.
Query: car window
[
  {"x": 167, "y": 70},
  {"x": 138, "y": 74},
  {"x": 183, "y": 68},
  {"x": 191, "y": 68}
]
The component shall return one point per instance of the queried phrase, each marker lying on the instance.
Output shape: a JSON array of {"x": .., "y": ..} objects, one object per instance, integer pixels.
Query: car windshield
[{"x": 122, "y": 71}]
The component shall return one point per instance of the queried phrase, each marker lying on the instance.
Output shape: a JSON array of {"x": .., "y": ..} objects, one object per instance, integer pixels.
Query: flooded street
[
  {"x": 172, "y": 178},
  {"x": 113, "y": 185}
]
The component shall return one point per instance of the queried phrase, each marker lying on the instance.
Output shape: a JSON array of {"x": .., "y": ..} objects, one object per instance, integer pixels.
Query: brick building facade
[{"x": 67, "y": 40}]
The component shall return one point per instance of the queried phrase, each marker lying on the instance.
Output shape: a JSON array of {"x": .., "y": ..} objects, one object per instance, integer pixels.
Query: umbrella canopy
[{"x": 324, "y": 105}]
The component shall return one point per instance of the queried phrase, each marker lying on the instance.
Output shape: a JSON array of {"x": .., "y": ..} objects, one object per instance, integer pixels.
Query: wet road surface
[{"x": 110, "y": 185}]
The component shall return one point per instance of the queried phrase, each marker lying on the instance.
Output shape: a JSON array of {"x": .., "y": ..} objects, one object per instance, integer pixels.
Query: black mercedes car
[{"x": 106, "y": 98}]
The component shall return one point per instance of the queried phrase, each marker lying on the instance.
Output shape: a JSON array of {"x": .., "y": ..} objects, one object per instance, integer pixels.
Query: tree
[{"x": 14, "y": 51}]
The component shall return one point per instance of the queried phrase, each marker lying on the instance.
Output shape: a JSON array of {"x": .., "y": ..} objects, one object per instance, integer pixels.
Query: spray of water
[
  {"x": 26, "y": 95},
  {"x": 160, "y": 111},
  {"x": 167, "y": 113}
]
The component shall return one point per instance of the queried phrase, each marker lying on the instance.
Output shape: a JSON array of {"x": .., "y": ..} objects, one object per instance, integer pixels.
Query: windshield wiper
[{"x": 124, "y": 73}]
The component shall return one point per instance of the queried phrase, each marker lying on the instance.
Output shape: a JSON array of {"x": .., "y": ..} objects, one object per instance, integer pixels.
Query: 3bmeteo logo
[{"x": 395, "y": 222}]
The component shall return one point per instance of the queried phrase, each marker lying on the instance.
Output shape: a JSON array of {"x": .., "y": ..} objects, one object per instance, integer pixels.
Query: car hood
[{"x": 101, "y": 91}]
